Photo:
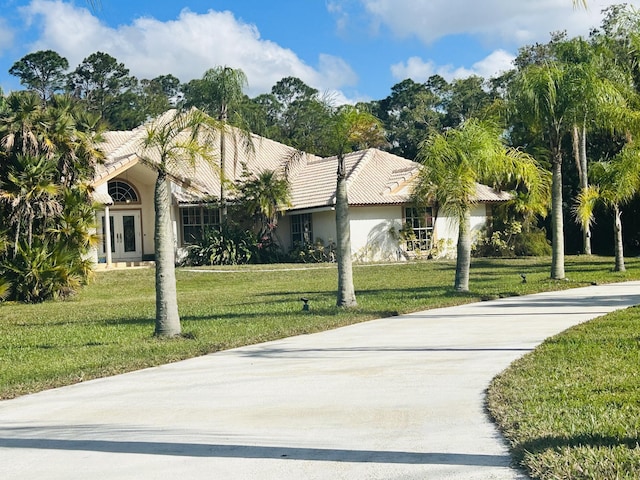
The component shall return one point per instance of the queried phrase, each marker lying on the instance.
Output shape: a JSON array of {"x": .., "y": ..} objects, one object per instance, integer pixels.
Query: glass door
[{"x": 126, "y": 238}]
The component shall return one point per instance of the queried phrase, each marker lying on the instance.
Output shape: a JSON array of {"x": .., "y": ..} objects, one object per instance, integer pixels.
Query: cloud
[
  {"x": 6, "y": 36},
  {"x": 513, "y": 21},
  {"x": 420, "y": 70},
  {"x": 185, "y": 47}
]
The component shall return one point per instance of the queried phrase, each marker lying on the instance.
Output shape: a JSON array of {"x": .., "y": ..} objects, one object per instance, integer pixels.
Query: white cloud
[
  {"x": 513, "y": 21},
  {"x": 6, "y": 35},
  {"x": 185, "y": 47},
  {"x": 420, "y": 70}
]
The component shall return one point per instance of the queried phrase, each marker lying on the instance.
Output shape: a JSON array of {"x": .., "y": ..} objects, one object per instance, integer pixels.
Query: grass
[
  {"x": 107, "y": 328},
  {"x": 571, "y": 409}
]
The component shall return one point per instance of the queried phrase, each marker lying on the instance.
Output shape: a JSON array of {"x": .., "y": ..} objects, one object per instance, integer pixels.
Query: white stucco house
[{"x": 379, "y": 190}]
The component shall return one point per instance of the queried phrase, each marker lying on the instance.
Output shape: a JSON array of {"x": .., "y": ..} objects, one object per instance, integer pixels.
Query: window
[
  {"x": 195, "y": 220},
  {"x": 419, "y": 222},
  {"x": 122, "y": 192},
  {"x": 301, "y": 231}
]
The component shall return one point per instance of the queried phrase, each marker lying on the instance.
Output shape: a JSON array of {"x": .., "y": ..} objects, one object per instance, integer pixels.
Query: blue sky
[{"x": 354, "y": 49}]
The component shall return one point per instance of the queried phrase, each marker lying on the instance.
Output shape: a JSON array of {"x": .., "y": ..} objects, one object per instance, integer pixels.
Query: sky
[{"x": 353, "y": 50}]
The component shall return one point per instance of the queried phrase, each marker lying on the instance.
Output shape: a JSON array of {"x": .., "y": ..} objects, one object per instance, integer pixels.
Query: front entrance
[{"x": 126, "y": 238}]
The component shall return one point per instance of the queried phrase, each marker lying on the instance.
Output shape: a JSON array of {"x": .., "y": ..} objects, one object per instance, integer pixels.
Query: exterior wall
[
  {"x": 323, "y": 224},
  {"x": 375, "y": 233},
  {"x": 446, "y": 230},
  {"x": 374, "y": 230}
]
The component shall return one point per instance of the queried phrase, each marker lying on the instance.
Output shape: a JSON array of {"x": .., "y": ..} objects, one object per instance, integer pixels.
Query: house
[{"x": 378, "y": 184}]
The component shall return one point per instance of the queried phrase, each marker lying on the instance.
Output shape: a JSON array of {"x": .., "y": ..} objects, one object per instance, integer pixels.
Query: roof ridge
[{"x": 365, "y": 156}]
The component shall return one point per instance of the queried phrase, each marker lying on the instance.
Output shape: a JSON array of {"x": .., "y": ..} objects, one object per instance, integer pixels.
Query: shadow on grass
[{"x": 540, "y": 444}]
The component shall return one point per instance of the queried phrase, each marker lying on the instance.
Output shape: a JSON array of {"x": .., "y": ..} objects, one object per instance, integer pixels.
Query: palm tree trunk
[
  {"x": 223, "y": 178},
  {"x": 463, "y": 260},
  {"x": 580, "y": 153},
  {"x": 167, "y": 317},
  {"x": 557, "y": 225},
  {"x": 346, "y": 292},
  {"x": 617, "y": 231}
]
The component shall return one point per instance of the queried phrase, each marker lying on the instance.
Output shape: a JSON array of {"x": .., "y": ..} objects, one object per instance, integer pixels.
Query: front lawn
[
  {"x": 571, "y": 408},
  {"x": 108, "y": 327}
]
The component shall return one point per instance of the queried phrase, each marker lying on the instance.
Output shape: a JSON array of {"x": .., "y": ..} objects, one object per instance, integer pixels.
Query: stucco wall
[
  {"x": 446, "y": 230},
  {"x": 375, "y": 232}
]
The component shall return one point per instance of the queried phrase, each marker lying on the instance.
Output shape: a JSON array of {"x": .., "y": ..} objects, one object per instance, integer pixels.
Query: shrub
[
  {"x": 513, "y": 240},
  {"x": 315, "y": 252},
  {"x": 40, "y": 272},
  {"x": 227, "y": 245}
]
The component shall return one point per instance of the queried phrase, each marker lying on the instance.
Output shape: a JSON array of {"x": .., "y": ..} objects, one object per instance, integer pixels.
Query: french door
[{"x": 126, "y": 238}]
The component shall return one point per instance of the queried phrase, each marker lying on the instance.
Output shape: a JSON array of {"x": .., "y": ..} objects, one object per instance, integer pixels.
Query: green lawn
[
  {"x": 572, "y": 405},
  {"x": 571, "y": 408}
]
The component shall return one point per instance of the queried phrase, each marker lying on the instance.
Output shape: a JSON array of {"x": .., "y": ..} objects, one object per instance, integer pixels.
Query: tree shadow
[
  {"x": 557, "y": 442},
  {"x": 208, "y": 450}
]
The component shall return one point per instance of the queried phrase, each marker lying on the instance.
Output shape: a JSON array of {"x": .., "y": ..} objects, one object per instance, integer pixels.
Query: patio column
[{"x": 107, "y": 235}]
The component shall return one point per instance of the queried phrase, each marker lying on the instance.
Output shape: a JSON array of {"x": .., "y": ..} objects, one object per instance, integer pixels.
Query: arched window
[{"x": 122, "y": 192}]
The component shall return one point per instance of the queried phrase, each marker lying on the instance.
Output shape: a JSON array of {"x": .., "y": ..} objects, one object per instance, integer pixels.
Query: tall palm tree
[
  {"x": 600, "y": 92},
  {"x": 614, "y": 184},
  {"x": 349, "y": 128},
  {"x": 222, "y": 92},
  {"x": 542, "y": 94},
  {"x": 454, "y": 162},
  {"x": 184, "y": 137}
]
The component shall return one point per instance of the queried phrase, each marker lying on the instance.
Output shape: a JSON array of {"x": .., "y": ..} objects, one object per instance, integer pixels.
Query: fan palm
[{"x": 29, "y": 192}]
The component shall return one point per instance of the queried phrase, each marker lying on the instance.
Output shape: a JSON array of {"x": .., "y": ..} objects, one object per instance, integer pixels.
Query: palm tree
[
  {"x": 267, "y": 195},
  {"x": 184, "y": 136},
  {"x": 614, "y": 184},
  {"x": 541, "y": 93},
  {"x": 48, "y": 154},
  {"x": 349, "y": 129},
  {"x": 29, "y": 192},
  {"x": 599, "y": 90},
  {"x": 454, "y": 163},
  {"x": 20, "y": 123},
  {"x": 220, "y": 93}
]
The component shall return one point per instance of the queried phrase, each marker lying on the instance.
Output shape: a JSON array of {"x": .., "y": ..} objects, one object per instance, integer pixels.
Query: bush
[
  {"x": 315, "y": 252},
  {"x": 532, "y": 244},
  {"x": 227, "y": 245},
  {"x": 512, "y": 241},
  {"x": 40, "y": 272},
  {"x": 268, "y": 251}
]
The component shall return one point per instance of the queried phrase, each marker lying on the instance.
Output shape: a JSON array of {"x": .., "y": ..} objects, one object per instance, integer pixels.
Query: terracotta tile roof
[
  {"x": 485, "y": 193},
  {"x": 122, "y": 149},
  {"x": 374, "y": 177}
]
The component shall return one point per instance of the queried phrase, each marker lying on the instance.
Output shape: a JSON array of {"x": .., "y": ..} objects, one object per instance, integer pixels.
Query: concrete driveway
[{"x": 397, "y": 398}]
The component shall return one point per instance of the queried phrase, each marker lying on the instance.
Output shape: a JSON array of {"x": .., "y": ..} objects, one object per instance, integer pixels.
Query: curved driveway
[{"x": 397, "y": 398}]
